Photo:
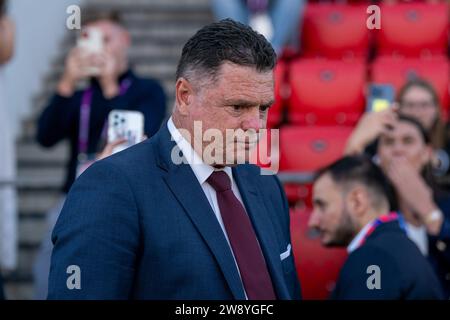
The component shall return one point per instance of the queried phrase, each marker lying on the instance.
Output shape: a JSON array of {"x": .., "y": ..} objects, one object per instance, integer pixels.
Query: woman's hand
[
  {"x": 413, "y": 191},
  {"x": 369, "y": 127}
]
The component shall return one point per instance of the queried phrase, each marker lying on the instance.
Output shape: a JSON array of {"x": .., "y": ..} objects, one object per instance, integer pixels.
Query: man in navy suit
[
  {"x": 351, "y": 208},
  {"x": 172, "y": 219}
]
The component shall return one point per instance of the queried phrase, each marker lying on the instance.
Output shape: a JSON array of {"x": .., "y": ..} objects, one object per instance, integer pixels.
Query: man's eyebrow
[{"x": 246, "y": 103}]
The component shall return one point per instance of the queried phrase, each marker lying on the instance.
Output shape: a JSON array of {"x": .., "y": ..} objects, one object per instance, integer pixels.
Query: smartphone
[
  {"x": 381, "y": 97},
  {"x": 90, "y": 41},
  {"x": 125, "y": 124}
]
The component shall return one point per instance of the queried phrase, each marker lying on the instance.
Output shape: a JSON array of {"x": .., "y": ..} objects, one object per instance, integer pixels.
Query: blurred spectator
[
  {"x": 352, "y": 208},
  {"x": 404, "y": 152},
  {"x": 417, "y": 99},
  {"x": 277, "y": 20},
  {"x": 114, "y": 86},
  {"x": 7, "y": 159}
]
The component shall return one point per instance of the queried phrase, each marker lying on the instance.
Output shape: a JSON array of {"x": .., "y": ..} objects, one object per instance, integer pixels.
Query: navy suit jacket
[
  {"x": 405, "y": 274},
  {"x": 140, "y": 227}
]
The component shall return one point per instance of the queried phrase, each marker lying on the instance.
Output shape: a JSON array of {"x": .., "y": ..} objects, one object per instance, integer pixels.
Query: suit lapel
[
  {"x": 262, "y": 224},
  {"x": 185, "y": 187}
]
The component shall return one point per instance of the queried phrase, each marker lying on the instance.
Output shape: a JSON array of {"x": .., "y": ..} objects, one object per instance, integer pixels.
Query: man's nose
[
  {"x": 253, "y": 120},
  {"x": 313, "y": 221},
  {"x": 398, "y": 150}
]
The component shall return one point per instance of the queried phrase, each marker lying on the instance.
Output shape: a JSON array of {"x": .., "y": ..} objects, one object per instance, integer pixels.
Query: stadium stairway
[{"x": 159, "y": 28}]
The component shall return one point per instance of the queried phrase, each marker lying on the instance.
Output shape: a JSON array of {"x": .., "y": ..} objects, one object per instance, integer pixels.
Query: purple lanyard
[{"x": 85, "y": 114}]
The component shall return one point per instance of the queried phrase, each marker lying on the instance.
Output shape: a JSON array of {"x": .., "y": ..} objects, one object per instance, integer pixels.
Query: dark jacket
[
  {"x": 61, "y": 118},
  {"x": 439, "y": 246},
  {"x": 404, "y": 272},
  {"x": 139, "y": 226}
]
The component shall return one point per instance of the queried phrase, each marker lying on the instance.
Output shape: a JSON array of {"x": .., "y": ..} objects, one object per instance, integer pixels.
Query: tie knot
[{"x": 220, "y": 181}]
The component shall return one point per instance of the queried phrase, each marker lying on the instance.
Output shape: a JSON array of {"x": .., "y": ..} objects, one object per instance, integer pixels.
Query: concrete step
[
  {"x": 40, "y": 178},
  {"x": 167, "y": 34},
  {"x": 148, "y": 18},
  {"x": 160, "y": 5},
  {"x": 36, "y": 203},
  {"x": 32, "y": 230},
  {"x": 143, "y": 52},
  {"x": 32, "y": 154}
]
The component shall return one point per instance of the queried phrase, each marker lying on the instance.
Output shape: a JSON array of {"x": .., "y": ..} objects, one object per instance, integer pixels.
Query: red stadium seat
[
  {"x": 326, "y": 92},
  {"x": 307, "y": 149},
  {"x": 335, "y": 30},
  {"x": 397, "y": 71},
  {"x": 317, "y": 267},
  {"x": 413, "y": 29}
]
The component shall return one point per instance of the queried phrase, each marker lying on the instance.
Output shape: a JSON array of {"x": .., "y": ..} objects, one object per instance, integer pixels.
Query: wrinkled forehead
[{"x": 246, "y": 82}]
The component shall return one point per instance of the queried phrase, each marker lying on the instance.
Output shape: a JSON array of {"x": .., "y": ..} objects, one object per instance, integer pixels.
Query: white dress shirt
[
  {"x": 202, "y": 171},
  {"x": 419, "y": 236}
]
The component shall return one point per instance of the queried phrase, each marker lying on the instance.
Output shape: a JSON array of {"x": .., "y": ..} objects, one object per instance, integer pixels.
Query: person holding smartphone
[
  {"x": 80, "y": 116},
  {"x": 418, "y": 99}
]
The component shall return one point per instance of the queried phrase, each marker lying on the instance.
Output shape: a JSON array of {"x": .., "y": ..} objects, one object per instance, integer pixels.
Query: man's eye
[{"x": 263, "y": 108}]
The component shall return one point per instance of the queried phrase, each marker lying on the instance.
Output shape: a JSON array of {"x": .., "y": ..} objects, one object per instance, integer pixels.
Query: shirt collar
[
  {"x": 357, "y": 239},
  {"x": 201, "y": 170}
]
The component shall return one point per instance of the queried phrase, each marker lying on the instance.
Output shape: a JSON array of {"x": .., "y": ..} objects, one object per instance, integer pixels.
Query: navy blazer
[
  {"x": 140, "y": 227},
  {"x": 405, "y": 274}
]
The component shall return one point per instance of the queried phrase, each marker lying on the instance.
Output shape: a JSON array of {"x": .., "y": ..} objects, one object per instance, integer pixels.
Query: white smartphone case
[{"x": 125, "y": 124}]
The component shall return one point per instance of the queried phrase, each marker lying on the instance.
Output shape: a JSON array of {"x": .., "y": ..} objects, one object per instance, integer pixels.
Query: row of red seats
[
  {"x": 409, "y": 29},
  {"x": 328, "y": 92}
]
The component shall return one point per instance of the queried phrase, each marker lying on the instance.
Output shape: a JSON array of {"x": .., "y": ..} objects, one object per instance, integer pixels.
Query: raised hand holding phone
[
  {"x": 91, "y": 45},
  {"x": 380, "y": 98}
]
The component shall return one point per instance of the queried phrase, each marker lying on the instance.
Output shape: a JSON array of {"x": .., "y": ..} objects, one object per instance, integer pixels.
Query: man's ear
[
  {"x": 183, "y": 95},
  {"x": 358, "y": 201}
]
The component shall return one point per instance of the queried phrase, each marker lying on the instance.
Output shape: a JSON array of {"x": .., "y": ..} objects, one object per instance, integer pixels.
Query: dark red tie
[{"x": 248, "y": 254}]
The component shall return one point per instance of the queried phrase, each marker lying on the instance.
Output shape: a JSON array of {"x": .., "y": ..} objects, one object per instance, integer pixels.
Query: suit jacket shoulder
[{"x": 387, "y": 266}]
